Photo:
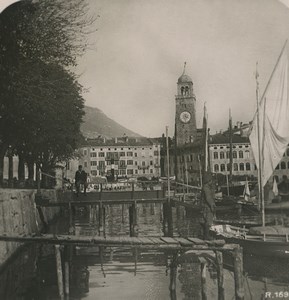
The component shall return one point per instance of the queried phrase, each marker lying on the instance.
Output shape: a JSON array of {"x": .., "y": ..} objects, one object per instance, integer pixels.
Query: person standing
[
  {"x": 80, "y": 179},
  {"x": 208, "y": 204}
]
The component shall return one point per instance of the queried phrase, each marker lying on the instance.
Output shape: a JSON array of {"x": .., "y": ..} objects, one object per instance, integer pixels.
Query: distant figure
[
  {"x": 283, "y": 188},
  {"x": 208, "y": 204},
  {"x": 80, "y": 179}
]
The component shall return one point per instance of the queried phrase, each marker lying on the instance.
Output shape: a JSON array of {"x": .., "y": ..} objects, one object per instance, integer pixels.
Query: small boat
[
  {"x": 268, "y": 142},
  {"x": 268, "y": 242}
]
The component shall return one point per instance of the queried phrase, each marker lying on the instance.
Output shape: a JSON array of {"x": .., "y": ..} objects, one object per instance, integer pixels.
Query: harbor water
[{"x": 124, "y": 273}]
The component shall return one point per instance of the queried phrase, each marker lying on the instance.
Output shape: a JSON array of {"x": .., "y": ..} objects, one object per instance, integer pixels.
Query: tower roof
[{"x": 184, "y": 78}]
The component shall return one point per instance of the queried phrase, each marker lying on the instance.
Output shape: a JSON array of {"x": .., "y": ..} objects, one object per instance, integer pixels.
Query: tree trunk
[
  {"x": 30, "y": 165},
  {"x": 10, "y": 171},
  {"x": 21, "y": 171}
]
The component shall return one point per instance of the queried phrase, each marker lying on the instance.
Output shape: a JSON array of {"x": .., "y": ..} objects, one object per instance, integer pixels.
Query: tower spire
[{"x": 184, "y": 71}]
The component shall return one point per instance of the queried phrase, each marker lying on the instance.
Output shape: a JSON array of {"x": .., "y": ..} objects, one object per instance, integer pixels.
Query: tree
[{"x": 39, "y": 42}]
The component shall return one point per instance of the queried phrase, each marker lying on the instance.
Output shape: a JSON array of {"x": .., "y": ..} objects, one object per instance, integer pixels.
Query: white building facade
[{"x": 119, "y": 157}]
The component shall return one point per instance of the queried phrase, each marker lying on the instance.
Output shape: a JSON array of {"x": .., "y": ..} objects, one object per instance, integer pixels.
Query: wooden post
[
  {"x": 59, "y": 271},
  {"x": 173, "y": 278},
  {"x": 170, "y": 220},
  {"x": 100, "y": 217},
  {"x": 133, "y": 219},
  {"x": 66, "y": 270},
  {"x": 238, "y": 273},
  {"x": 103, "y": 218},
  {"x": 165, "y": 219},
  {"x": 220, "y": 274},
  {"x": 203, "y": 278},
  {"x": 71, "y": 219}
]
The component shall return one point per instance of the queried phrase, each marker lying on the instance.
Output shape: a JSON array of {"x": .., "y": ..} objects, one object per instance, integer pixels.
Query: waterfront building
[
  {"x": 243, "y": 162},
  {"x": 121, "y": 157}
]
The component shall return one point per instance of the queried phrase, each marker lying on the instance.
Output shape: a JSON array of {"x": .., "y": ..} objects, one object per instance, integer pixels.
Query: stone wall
[{"x": 18, "y": 215}]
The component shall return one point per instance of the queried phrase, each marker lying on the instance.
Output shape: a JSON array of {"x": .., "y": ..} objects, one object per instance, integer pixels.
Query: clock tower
[{"x": 185, "y": 120}]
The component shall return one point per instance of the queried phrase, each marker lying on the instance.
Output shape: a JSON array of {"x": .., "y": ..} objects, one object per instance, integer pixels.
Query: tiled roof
[
  {"x": 224, "y": 138},
  {"x": 120, "y": 141}
]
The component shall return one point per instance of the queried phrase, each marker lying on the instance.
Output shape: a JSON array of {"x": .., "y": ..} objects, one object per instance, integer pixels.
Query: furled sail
[{"x": 273, "y": 120}]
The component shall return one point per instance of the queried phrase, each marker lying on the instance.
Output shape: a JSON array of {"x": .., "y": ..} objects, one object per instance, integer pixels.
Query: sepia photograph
[{"x": 144, "y": 149}]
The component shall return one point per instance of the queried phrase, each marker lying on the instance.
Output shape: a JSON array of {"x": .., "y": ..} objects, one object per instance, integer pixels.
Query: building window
[
  {"x": 151, "y": 163},
  {"x": 130, "y": 162},
  {"x": 241, "y": 165},
  {"x": 228, "y": 167},
  {"x": 101, "y": 165},
  {"x": 156, "y": 153},
  {"x": 222, "y": 155},
  {"x": 122, "y": 163},
  {"x": 151, "y": 171},
  {"x": 216, "y": 155},
  {"x": 223, "y": 167},
  {"x": 234, "y": 154},
  {"x": 135, "y": 171},
  {"x": 122, "y": 172},
  {"x": 135, "y": 154},
  {"x": 143, "y": 163},
  {"x": 277, "y": 167},
  {"x": 84, "y": 152},
  {"x": 129, "y": 153},
  {"x": 135, "y": 163},
  {"x": 92, "y": 154},
  {"x": 228, "y": 154},
  {"x": 235, "y": 167},
  {"x": 93, "y": 163},
  {"x": 130, "y": 172},
  {"x": 276, "y": 178},
  {"x": 241, "y": 154},
  {"x": 121, "y": 153},
  {"x": 283, "y": 165},
  {"x": 101, "y": 154},
  {"x": 216, "y": 168},
  {"x": 288, "y": 165},
  {"x": 85, "y": 164},
  {"x": 248, "y": 166},
  {"x": 287, "y": 152},
  {"x": 247, "y": 154}
]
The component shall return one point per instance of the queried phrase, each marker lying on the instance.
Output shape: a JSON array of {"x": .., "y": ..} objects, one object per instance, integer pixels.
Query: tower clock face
[{"x": 185, "y": 116}]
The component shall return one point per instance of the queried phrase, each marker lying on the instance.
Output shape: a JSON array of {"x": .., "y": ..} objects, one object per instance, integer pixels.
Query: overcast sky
[{"x": 141, "y": 45}]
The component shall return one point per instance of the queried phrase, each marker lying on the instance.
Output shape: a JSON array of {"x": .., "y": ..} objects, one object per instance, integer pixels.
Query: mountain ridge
[{"x": 97, "y": 123}]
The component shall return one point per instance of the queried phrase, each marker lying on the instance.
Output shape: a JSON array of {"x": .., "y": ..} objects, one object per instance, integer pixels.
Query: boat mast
[
  {"x": 231, "y": 146},
  {"x": 168, "y": 161},
  {"x": 260, "y": 183}
]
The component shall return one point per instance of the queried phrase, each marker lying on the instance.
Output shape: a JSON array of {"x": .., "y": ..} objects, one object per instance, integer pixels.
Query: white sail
[{"x": 273, "y": 120}]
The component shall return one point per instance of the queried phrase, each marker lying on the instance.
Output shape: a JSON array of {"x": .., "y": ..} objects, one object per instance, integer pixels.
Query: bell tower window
[{"x": 186, "y": 91}]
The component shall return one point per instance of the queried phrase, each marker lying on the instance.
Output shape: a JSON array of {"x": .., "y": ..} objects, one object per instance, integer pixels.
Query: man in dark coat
[
  {"x": 208, "y": 203},
  {"x": 80, "y": 178}
]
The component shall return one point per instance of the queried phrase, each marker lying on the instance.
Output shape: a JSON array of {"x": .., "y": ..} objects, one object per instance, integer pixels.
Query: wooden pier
[{"x": 177, "y": 246}]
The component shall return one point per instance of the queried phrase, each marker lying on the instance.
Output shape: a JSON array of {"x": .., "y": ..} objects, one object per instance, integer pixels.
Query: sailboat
[{"x": 269, "y": 138}]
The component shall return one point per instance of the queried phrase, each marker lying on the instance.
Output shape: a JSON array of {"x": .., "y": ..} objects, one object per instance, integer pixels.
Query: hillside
[{"x": 97, "y": 123}]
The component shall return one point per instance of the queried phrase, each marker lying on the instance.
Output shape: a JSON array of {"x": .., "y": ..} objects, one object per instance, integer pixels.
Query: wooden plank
[
  {"x": 169, "y": 240},
  {"x": 184, "y": 242},
  {"x": 146, "y": 241},
  {"x": 156, "y": 241},
  {"x": 196, "y": 241}
]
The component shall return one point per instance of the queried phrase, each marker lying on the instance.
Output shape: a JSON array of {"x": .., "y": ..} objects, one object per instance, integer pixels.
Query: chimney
[
  {"x": 104, "y": 139},
  {"x": 115, "y": 140}
]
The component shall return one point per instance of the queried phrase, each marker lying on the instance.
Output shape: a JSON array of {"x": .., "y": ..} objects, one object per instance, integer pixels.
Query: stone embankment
[{"x": 19, "y": 215}]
